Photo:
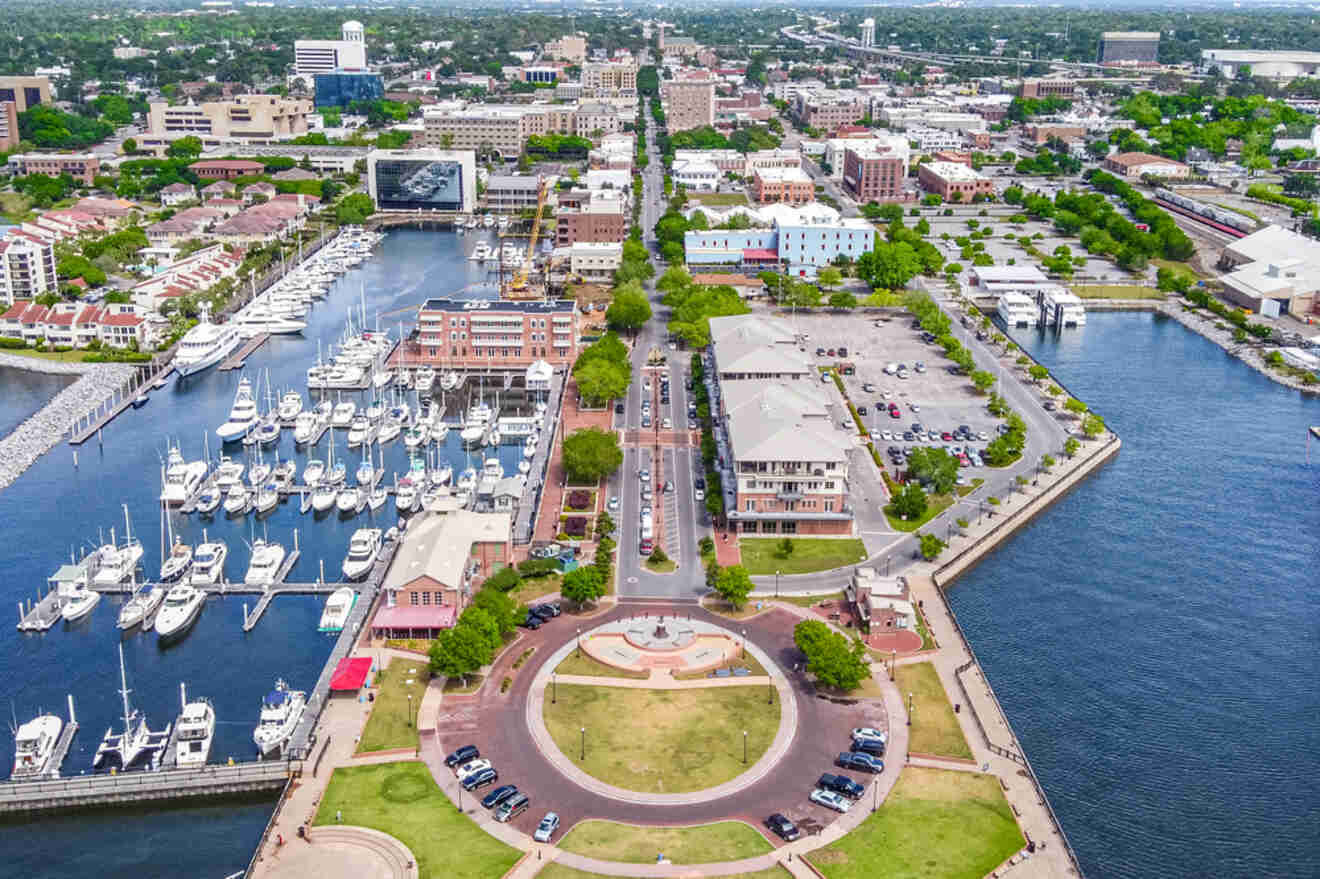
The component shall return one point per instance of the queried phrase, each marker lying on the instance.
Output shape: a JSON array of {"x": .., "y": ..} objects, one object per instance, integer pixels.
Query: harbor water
[
  {"x": 1154, "y": 636},
  {"x": 56, "y": 509},
  {"x": 24, "y": 392}
]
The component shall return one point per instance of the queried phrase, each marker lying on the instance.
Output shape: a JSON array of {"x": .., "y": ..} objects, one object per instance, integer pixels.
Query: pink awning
[
  {"x": 421, "y": 616},
  {"x": 759, "y": 253},
  {"x": 351, "y": 673}
]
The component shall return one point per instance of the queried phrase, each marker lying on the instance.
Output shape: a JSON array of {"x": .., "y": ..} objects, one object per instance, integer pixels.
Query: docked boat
[
  {"x": 242, "y": 415},
  {"x": 313, "y": 472},
  {"x": 208, "y": 566},
  {"x": 450, "y": 380},
  {"x": 79, "y": 602},
  {"x": 425, "y": 380},
  {"x": 267, "y": 431},
  {"x": 119, "y": 561},
  {"x": 259, "y": 473},
  {"x": 337, "y": 608},
  {"x": 417, "y": 435},
  {"x": 363, "y": 549},
  {"x": 181, "y": 477},
  {"x": 524, "y": 466},
  {"x": 262, "y": 317},
  {"x": 529, "y": 447},
  {"x": 366, "y": 474},
  {"x": 284, "y": 473},
  {"x": 305, "y": 426},
  {"x": 264, "y": 567},
  {"x": 205, "y": 345},
  {"x": 194, "y": 732},
  {"x": 237, "y": 501},
  {"x": 342, "y": 415},
  {"x": 359, "y": 431},
  {"x": 405, "y": 496},
  {"x": 388, "y": 430},
  {"x": 280, "y": 712},
  {"x": 377, "y": 499},
  {"x": 347, "y": 500},
  {"x": 291, "y": 406},
  {"x": 136, "y": 743},
  {"x": 209, "y": 500},
  {"x": 442, "y": 476},
  {"x": 268, "y": 498},
  {"x": 177, "y": 563},
  {"x": 183, "y": 603},
  {"x": 34, "y": 748},
  {"x": 481, "y": 252},
  {"x": 324, "y": 496},
  {"x": 228, "y": 472},
  {"x": 467, "y": 480},
  {"x": 138, "y": 609}
]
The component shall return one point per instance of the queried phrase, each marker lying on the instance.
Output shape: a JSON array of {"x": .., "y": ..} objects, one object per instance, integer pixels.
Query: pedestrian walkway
[{"x": 662, "y": 680}]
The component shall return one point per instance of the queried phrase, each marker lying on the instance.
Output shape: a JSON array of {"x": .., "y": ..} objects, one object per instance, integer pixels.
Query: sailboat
[{"x": 136, "y": 742}]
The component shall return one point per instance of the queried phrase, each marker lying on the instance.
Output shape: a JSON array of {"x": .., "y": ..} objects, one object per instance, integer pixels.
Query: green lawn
[
  {"x": 703, "y": 844},
  {"x": 455, "y": 685},
  {"x": 719, "y": 199},
  {"x": 935, "y": 729},
  {"x": 581, "y": 664},
  {"x": 389, "y": 725},
  {"x": 715, "y": 604},
  {"x": 1117, "y": 291},
  {"x": 402, "y": 799},
  {"x": 760, "y": 555},
  {"x": 668, "y": 566},
  {"x": 532, "y": 588},
  {"x": 15, "y": 206},
  {"x": 662, "y": 741},
  {"x": 935, "y": 824},
  {"x": 62, "y": 356},
  {"x": 559, "y": 871},
  {"x": 935, "y": 504},
  {"x": 810, "y": 600}
]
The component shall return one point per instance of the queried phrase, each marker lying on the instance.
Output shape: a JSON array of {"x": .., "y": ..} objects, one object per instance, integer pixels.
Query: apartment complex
[
  {"x": 954, "y": 181},
  {"x": 82, "y": 167},
  {"x": 504, "y": 128},
  {"x": 595, "y": 262},
  {"x": 598, "y": 216},
  {"x": 827, "y": 109},
  {"x": 261, "y": 118},
  {"x": 874, "y": 170},
  {"x": 787, "y": 185},
  {"x": 786, "y": 471},
  {"x": 1129, "y": 47},
  {"x": 688, "y": 103},
  {"x": 1048, "y": 88},
  {"x": 609, "y": 79},
  {"x": 25, "y": 92},
  {"x": 311, "y": 57},
  {"x": 492, "y": 334},
  {"x": 571, "y": 48},
  {"x": 27, "y": 267}
]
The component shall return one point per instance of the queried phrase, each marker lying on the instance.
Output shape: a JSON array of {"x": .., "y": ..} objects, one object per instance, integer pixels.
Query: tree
[
  {"x": 1075, "y": 406},
  {"x": 935, "y": 467},
  {"x": 188, "y": 147},
  {"x": 458, "y": 652},
  {"x": 591, "y": 454},
  {"x": 982, "y": 380},
  {"x": 583, "y": 585},
  {"x": 734, "y": 585},
  {"x": 604, "y": 523},
  {"x": 499, "y": 606},
  {"x": 1070, "y": 446},
  {"x": 842, "y": 300},
  {"x": 130, "y": 146},
  {"x": 1093, "y": 425},
  {"x": 931, "y": 546},
  {"x": 354, "y": 209},
  {"x": 834, "y": 661},
  {"x": 1038, "y": 373},
  {"x": 808, "y": 635},
  {"x": 630, "y": 309},
  {"x": 478, "y": 619},
  {"x": 830, "y": 277},
  {"x": 785, "y": 547},
  {"x": 910, "y": 502}
]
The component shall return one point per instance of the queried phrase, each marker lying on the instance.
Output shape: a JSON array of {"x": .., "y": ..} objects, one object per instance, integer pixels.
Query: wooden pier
[
  {"x": 61, "y": 752},
  {"x": 239, "y": 357},
  {"x": 91, "y": 424},
  {"x": 40, "y": 616},
  {"x": 92, "y": 791}
]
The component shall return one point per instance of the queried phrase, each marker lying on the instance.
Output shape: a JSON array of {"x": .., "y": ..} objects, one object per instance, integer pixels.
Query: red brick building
[
  {"x": 82, "y": 167},
  {"x": 492, "y": 335},
  {"x": 788, "y": 185},
  {"x": 873, "y": 173},
  {"x": 953, "y": 182},
  {"x": 225, "y": 169}
]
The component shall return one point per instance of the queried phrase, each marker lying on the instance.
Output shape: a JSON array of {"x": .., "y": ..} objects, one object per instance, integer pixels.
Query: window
[
  {"x": 426, "y": 598},
  {"x": 412, "y": 598}
]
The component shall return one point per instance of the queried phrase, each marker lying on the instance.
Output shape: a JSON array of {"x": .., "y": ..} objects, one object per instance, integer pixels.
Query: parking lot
[{"x": 930, "y": 395}]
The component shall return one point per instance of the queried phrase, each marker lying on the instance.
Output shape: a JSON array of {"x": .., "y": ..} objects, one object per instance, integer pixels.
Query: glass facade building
[
  {"x": 341, "y": 89},
  {"x": 418, "y": 184}
]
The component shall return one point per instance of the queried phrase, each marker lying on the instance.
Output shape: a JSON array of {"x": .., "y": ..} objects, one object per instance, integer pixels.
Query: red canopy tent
[{"x": 351, "y": 673}]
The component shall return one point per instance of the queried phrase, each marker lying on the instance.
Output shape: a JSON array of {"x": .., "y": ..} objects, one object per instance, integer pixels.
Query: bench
[
  {"x": 742, "y": 672},
  {"x": 722, "y": 673}
]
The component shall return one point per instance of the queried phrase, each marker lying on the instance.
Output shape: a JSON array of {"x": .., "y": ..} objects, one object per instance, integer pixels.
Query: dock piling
[{"x": 72, "y": 717}]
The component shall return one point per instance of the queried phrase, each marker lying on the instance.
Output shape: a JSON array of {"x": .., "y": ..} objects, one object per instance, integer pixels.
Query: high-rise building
[
  {"x": 689, "y": 103},
  {"x": 340, "y": 88},
  {"x": 570, "y": 48},
  {"x": 868, "y": 33},
  {"x": 326, "y": 56},
  {"x": 609, "y": 79},
  {"x": 25, "y": 91},
  {"x": 27, "y": 267},
  {"x": 1132, "y": 47}
]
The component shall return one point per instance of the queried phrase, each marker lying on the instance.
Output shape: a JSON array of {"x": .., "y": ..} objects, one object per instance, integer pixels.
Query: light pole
[
  {"x": 410, "y": 709},
  {"x": 554, "y": 688},
  {"x": 579, "y": 641},
  {"x": 582, "y": 758},
  {"x": 893, "y": 659},
  {"x": 744, "y": 747},
  {"x": 909, "y": 717},
  {"x": 875, "y": 804},
  {"x": 776, "y": 584},
  {"x": 888, "y": 559}
]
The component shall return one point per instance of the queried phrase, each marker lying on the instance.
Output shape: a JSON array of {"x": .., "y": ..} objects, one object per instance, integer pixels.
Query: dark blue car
[
  {"x": 860, "y": 761},
  {"x": 499, "y": 795}
]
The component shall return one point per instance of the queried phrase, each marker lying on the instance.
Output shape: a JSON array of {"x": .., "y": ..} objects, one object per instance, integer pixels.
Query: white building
[
  {"x": 1018, "y": 310},
  {"x": 696, "y": 175},
  {"x": 326, "y": 56},
  {"x": 1059, "y": 308},
  {"x": 595, "y": 261},
  {"x": 868, "y": 33},
  {"x": 1280, "y": 65},
  {"x": 27, "y": 267}
]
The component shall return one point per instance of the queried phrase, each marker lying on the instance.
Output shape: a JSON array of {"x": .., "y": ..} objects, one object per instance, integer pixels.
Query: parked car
[
  {"x": 894, "y": 413},
  {"x": 552, "y": 608},
  {"x": 479, "y": 779},
  {"x": 618, "y": 408},
  {"x": 699, "y": 494},
  {"x": 512, "y": 808},
  {"x": 830, "y": 800},
  {"x": 860, "y": 761},
  {"x": 692, "y": 424},
  {"x": 870, "y": 389},
  {"x": 646, "y": 419},
  {"x": 472, "y": 766},
  {"x": 546, "y": 829},
  {"x": 646, "y": 546},
  {"x": 669, "y": 486},
  {"x": 869, "y": 732},
  {"x": 982, "y": 435},
  {"x": 914, "y": 407},
  {"x": 919, "y": 366},
  {"x": 540, "y": 613},
  {"x": 644, "y": 475},
  {"x": 462, "y": 755},
  {"x": 843, "y": 350},
  {"x": 532, "y": 621},
  {"x": 820, "y": 352},
  {"x": 499, "y": 795},
  {"x": 874, "y": 747},
  {"x": 861, "y": 410},
  {"x": 783, "y": 828},
  {"x": 613, "y": 505},
  {"x": 841, "y": 784},
  {"x": 699, "y": 482}
]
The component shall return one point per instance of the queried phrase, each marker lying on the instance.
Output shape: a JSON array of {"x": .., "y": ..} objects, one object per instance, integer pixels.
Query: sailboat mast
[{"x": 123, "y": 689}]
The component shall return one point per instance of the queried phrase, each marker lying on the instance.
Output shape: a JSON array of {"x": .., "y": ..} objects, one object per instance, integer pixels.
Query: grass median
[
  {"x": 629, "y": 843},
  {"x": 935, "y": 823},
  {"x": 559, "y": 871},
  {"x": 392, "y": 723},
  {"x": 662, "y": 741},
  {"x": 762, "y": 555},
  {"x": 402, "y": 799},
  {"x": 935, "y": 728},
  {"x": 581, "y": 664}
]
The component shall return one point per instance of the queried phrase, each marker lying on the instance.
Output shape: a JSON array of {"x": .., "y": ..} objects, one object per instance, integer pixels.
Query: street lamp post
[
  {"x": 776, "y": 584},
  {"x": 888, "y": 559},
  {"x": 579, "y": 641},
  {"x": 583, "y": 756},
  {"x": 875, "y": 804},
  {"x": 554, "y": 688},
  {"x": 893, "y": 659},
  {"x": 909, "y": 717},
  {"x": 744, "y": 747},
  {"x": 410, "y": 709}
]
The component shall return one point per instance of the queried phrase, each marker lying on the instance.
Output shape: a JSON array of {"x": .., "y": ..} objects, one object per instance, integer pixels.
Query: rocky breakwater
[{"x": 41, "y": 432}]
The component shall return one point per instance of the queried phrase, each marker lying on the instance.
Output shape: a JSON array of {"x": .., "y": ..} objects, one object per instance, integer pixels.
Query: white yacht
[
  {"x": 209, "y": 500},
  {"x": 194, "y": 732},
  {"x": 181, "y": 477},
  {"x": 291, "y": 405},
  {"x": 337, "y": 608},
  {"x": 363, "y": 549},
  {"x": 268, "y": 498},
  {"x": 313, "y": 472},
  {"x": 343, "y": 413},
  {"x": 177, "y": 563},
  {"x": 182, "y": 605},
  {"x": 347, "y": 500},
  {"x": 443, "y": 475},
  {"x": 450, "y": 380},
  {"x": 425, "y": 380},
  {"x": 467, "y": 480},
  {"x": 377, "y": 499},
  {"x": 243, "y": 414},
  {"x": 388, "y": 430},
  {"x": 481, "y": 252},
  {"x": 34, "y": 746},
  {"x": 324, "y": 496},
  {"x": 229, "y": 472},
  {"x": 205, "y": 345},
  {"x": 237, "y": 501},
  {"x": 359, "y": 431},
  {"x": 491, "y": 468},
  {"x": 405, "y": 496},
  {"x": 280, "y": 712},
  {"x": 305, "y": 425},
  {"x": 79, "y": 603},
  {"x": 118, "y": 562},
  {"x": 262, "y": 317},
  {"x": 142, "y": 605},
  {"x": 417, "y": 435},
  {"x": 366, "y": 474},
  {"x": 208, "y": 566},
  {"x": 264, "y": 567}
]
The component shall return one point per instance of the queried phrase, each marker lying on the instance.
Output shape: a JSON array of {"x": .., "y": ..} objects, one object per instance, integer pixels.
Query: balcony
[{"x": 789, "y": 495}]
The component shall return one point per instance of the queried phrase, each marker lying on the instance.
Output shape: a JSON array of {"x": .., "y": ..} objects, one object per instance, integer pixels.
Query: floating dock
[
  {"x": 239, "y": 357},
  {"x": 39, "y": 616}
]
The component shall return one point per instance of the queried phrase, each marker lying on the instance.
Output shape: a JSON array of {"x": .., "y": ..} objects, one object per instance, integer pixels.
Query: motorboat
[
  {"x": 377, "y": 499},
  {"x": 291, "y": 405},
  {"x": 439, "y": 430},
  {"x": 205, "y": 345},
  {"x": 524, "y": 466},
  {"x": 284, "y": 474},
  {"x": 467, "y": 480},
  {"x": 142, "y": 605},
  {"x": 359, "y": 431},
  {"x": 305, "y": 427},
  {"x": 313, "y": 472},
  {"x": 472, "y": 435},
  {"x": 243, "y": 414},
  {"x": 264, "y": 567},
  {"x": 388, "y": 430},
  {"x": 237, "y": 501},
  {"x": 228, "y": 473},
  {"x": 417, "y": 435},
  {"x": 425, "y": 380},
  {"x": 382, "y": 379},
  {"x": 280, "y": 712},
  {"x": 79, "y": 602},
  {"x": 337, "y": 608},
  {"x": 491, "y": 468},
  {"x": 488, "y": 221},
  {"x": 208, "y": 567},
  {"x": 343, "y": 413},
  {"x": 324, "y": 496},
  {"x": 405, "y": 496},
  {"x": 375, "y": 411},
  {"x": 194, "y": 731},
  {"x": 268, "y": 498},
  {"x": 177, "y": 563},
  {"x": 118, "y": 562},
  {"x": 181, "y": 477},
  {"x": 443, "y": 475},
  {"x": 34, "y": 748},
  {"x": 209, "y": 500},
  {"x": 399, "y": 414},
  {"x": 267, "y": 431},
  {"x": 529, "y": 447},
  {"x": 263, "y": 317},
  {"x": 347, "y": 500},
  {"x": 183, "y": 603},
  {"x": 481, "y": 252},
  {"x": 363, "y": 548},
  {"x": 366, "y": 474},
  {"x": 259, "y": 473}
]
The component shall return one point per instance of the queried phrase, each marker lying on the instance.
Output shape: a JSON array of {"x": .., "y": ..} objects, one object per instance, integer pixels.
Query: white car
[
  {"x": 830, "y": 800},
  {"x": 869, "y": 732},
  {"x": 472, "y": 766},
  {"x": 699, "y": 494}
]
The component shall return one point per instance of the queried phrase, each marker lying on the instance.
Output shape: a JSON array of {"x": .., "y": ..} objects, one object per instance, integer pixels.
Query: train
[{"x": 1224, "y": 220}]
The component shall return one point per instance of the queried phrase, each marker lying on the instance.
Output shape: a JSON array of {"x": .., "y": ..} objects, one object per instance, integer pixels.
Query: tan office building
[
  {"x": 572, "y": 49},
  {"x": 688, "y": 103},
  {"x": 246, "y": 117},
  {"x": 506, "y": 127},
  {"x": 25, "y": 92},
  {"x": 609, "y": 79}
]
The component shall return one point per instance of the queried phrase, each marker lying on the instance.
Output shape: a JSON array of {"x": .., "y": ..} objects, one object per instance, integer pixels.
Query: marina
[{"x": 239, "y": 357}]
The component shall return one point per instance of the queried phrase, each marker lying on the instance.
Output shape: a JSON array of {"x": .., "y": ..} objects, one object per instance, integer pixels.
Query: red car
[
  {"x": 946, "y": 436},
  {"x": 646, "y": 547},
  {"x": 963, "y": 461},
  {"x": 894, "y": 413}
]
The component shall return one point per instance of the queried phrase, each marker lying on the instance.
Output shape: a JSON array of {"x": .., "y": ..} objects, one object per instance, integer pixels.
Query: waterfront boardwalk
[
  {"x": 137, "y": 787},
  {"x": 121, "y": 399},
  {"x": 239, "y": 357}
]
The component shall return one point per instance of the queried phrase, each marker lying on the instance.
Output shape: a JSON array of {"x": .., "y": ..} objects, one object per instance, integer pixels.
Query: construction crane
[{"x": 518, "y": 285}]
